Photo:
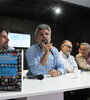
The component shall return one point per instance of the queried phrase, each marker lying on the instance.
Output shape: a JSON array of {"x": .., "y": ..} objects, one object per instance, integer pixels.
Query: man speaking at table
[{"x": 42, "y": 57}]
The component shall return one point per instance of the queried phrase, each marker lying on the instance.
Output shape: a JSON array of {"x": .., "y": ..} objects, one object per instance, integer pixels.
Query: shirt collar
[
  {"x": 40, "y": 48},
  {"x": 65, "y": 56}
]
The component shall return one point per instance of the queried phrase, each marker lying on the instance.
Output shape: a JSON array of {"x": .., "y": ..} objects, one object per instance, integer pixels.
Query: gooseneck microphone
[{"x": 40, "y": 77}]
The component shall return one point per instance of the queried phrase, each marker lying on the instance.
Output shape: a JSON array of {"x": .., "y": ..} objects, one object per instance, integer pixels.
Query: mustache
[{"x": 46, "y": 41}]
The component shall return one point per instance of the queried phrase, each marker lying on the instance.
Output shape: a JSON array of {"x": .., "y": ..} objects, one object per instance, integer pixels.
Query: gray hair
[
  {"x": 42, "y": 26},
  {"x": 65, "y": 41},
  {"x": 85, "y": 44}
]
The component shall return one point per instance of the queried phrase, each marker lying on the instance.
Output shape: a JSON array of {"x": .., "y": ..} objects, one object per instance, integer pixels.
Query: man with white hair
[
  {"x": 83, "y": 58},
  {"x": 43, "y": 58}
]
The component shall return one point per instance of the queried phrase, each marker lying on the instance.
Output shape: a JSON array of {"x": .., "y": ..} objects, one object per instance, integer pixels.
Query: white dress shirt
[{"x": 68, "y": 61}]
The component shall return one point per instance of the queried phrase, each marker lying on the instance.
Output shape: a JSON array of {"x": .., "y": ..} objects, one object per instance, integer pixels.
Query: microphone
[
  {"x": 40, "y": 77},
  {"x": 50, "y": 50}
]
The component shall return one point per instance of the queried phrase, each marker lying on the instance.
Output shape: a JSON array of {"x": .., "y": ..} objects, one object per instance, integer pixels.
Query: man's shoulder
[
  {"x": 71, "y": 56},
  {"x": 78, "y": 55},
  {"x": 55, "y": 49},
  {"x": 32, "y": 47}
]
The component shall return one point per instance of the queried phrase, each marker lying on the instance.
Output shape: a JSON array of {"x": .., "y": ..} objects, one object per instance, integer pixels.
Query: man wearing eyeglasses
[
  {"x": 65, "y": 54},
  {"x": 4, "y": 40}
]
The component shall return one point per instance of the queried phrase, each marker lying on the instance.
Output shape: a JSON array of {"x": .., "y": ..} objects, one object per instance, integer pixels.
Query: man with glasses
[
  {"x": 65, "y": 54},
  {"x": 4, "y": 40},
  {"x": 83, "y": 58},
  {"x": 43, "y": 58}
]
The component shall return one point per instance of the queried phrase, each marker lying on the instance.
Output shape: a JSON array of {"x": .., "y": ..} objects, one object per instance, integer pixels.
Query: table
[{"x": 50, "y": 88}]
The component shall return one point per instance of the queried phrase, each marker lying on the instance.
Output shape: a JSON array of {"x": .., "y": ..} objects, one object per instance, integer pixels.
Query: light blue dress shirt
[
  {"x": 69, "y": 62},
  {"x": 34, "y": 55}
]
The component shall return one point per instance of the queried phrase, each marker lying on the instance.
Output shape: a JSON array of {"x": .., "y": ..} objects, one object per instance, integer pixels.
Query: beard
[
  {"x": 68, "y": 53},
  {"x": 5, "y": 45},
  {"x": 44, "y": 41}
]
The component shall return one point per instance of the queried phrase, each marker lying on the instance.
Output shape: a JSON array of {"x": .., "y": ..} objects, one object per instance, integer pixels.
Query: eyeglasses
[{"x": 68, "y": 46}]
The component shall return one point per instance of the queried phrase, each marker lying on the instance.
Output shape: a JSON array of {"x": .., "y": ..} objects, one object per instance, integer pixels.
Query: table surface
[{"x": 34, "y": 87}]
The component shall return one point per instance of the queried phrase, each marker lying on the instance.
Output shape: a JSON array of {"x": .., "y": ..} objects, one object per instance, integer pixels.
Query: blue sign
[{"x": 8, "y": 70}]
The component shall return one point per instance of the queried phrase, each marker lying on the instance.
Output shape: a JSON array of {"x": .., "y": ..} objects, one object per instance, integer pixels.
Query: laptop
[{"x": 11, "y": 70}]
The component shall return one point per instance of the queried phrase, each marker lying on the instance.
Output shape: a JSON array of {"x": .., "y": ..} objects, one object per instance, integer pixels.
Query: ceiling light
[{"x": 57, "y": 10}]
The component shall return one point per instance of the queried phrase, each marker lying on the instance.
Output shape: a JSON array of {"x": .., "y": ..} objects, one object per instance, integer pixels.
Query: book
[{"x": 11, "y": 70}]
